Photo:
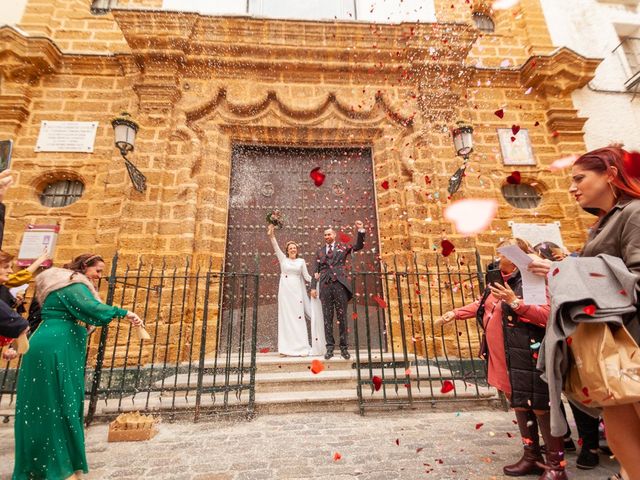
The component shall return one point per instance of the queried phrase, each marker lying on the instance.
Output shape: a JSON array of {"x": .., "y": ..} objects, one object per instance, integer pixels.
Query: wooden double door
[{"x": 267, "y": 178}]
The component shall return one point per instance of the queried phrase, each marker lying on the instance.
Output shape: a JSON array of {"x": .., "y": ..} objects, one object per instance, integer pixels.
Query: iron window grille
[
  {"x": 521, "y": 195},
  {"x": 484, "y": 22},
  {"x": 61, "y": 193},
  {"x": 102, "y": 7}
]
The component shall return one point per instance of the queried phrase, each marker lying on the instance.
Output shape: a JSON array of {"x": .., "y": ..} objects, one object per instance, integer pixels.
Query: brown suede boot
[
  {"x": 531, "y": 458},
  {"x": 529, "y": 464},
  {"x": 554, "y": 468}
]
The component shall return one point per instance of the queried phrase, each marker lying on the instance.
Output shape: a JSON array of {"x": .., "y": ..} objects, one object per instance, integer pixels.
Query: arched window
[
  {"x": 484, "y": 22},
  {"x": 521, "y": 195},
  {"x": 61, "y": 193}
]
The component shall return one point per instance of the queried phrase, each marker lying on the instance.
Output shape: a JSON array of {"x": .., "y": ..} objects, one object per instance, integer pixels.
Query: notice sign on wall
[
  {"x": 535, "y": 233},
  {"x": 66, "y": 136},
  {"x": 37, "y": 239}
]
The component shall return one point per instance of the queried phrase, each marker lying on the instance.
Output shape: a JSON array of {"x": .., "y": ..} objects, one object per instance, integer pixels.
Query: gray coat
[{"x": 573, "y": 284}]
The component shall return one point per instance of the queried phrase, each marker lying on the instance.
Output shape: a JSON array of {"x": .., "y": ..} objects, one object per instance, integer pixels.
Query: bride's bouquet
[{"x": 275, "y": 218}]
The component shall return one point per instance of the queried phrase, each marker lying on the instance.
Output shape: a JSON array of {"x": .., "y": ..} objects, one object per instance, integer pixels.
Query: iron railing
[
  {"x": 628, "y": 52},
  {"x": 203, "y": 323}
]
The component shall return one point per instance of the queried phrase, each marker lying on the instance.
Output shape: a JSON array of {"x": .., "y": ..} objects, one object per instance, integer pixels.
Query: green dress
[{"x": 49, "y": 430}]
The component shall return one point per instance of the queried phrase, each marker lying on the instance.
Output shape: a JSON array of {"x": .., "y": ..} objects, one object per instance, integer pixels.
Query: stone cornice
[
  {"x": 204, "y": 44},
  {"x": 23, "y": 58},
  {"x": 560, "y": 72}
]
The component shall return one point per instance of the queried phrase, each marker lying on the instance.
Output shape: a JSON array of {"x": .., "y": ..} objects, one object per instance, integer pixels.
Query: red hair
[{"x": 602, "y": 159}]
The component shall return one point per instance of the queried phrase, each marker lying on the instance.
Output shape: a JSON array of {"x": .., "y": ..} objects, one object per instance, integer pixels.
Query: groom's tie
[{"x": 330, "y": 251}]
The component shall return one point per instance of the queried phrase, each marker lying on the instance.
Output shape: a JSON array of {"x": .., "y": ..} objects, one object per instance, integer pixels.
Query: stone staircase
[{"x": 287, "y": 385}]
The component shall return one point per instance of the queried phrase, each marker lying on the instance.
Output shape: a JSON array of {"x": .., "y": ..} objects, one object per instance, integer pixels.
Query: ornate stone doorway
[{"x": 265, "y": 178}]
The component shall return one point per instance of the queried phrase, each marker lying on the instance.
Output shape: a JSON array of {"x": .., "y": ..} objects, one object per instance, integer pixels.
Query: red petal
[
  {"x": 631, "y": 162},
  {"x": 587, "y": 401},
  {"x": 555, "y": 271},
  {"x": 336, "y": 457},
  {"x": 317, "y": 176},
  {"x": 447, "y": 248},
  {"x": 569, "y": 340},
  {"x": 513, "y": 139},
  {"x": 316, "y": 366},
  {"x": 585, "y": 391},
  {"x": 344, "y": 238},
  {"x": 381, "y": 303},
  {"x": 515, "y": 178},
  {"x": 447, "y": 386},
  {"x": 419, "y": 449},
  {"x": 555, "y": 133},
  {"x": 385, "y": 185},
  {"x": 580, "y": 442},
  {"x": 499, "y": 113},
  {"x": 515, "y": 129},
  {"x": 622, "y": 292},
  {"x": 398, "y": 441},
  {"x": 264, "y": 350},
  {"x": 509, "y": 435},
  {"x": 589, "y": 309},
  {"x": 354, "y": 316},
  {"x": 377, "y": 382},
  {"x": 536, "y": 124},
  {"x": 427, "y": 180},
  {"x": 479, "y": 426},
  {"x": 597, "y": 275}
]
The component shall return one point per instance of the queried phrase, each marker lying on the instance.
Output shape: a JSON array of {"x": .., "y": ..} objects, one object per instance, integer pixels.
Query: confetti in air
[
  {"x": 471, "y": 215},
  {"x": 317, "y": 176},
  {"x": 563, "y": 163}
]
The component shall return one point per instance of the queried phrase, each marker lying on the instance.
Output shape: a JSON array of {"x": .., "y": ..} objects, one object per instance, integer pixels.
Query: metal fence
[
  {"x": 408, "y": 359},
  {"x": 203, "y": 323}
]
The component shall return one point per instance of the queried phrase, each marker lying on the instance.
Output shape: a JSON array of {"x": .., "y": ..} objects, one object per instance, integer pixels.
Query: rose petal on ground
[
  {"x": 377, "y": 382},
  {"x": 336, "y": 457},
  {"x": 589, "y": 309},
  {"x": 380, "y": 301},
  {"x": 398, "y": 441},
  {"x": 515, "y": 178},
  {"x": 471, "y": 216},
  {"x": 562, "y": 163},
  {"x": 419, "y": 449},
  {"x": 316, "y": 366},
  {"x": 264, "y": 350},
  {"x": 479, "y": 426},
  {"x": 317, "y": 176},
  {"x": 447, "y": 248},
  {"x": 447, "y": 386}
]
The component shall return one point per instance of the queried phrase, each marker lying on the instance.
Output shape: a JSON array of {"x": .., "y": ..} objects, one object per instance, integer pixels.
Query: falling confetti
[
  {"x": 471, "y": 216},
  {"x": 317, "y": 176},
  {"x": 515, "y": 178},
  {"x": 265, "y": 350},
  {"x": 380, "y": 301},
  {"x": 515, "y": 129},
  {"x": 499, "y": 113},
  {"x": 555, "y": 271},
  {"x": 385, "y": 185},
  {"x": 344, "y": 238},
  {"x": 447, "y": 248},
  {"x": 377, "y": 382},
  {"x": 585, "y": 391},
  {"x": 563, "y": 163},
  {"x": 316, "y": 366},
  {"x": 589, "y": 309},
  {"x": 631, "y": 162},
  {"x": 447, "y": 386}
]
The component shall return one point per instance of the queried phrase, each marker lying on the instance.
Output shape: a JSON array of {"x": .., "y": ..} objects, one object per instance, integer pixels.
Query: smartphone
[
  {"x": 494, "y": 276},
  {"x": 5, "y": 154}
]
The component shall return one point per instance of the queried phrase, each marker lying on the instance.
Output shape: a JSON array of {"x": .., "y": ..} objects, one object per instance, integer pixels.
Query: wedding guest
[
  {"x": 12, "y": 325},
  {"x": 603, "y": 182},
  {"x": 513, "y": 332},
  {"x": 293, "y": 338},
  {"x": 588, "y": 426},
  {"x": 49, "y": 432}
]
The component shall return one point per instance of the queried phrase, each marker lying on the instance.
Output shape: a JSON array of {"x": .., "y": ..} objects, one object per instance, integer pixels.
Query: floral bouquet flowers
[{"x": 275, "y": 218}]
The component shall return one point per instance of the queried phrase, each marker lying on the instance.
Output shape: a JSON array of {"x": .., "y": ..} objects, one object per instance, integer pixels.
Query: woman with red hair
[{"x": 606, "y": 183}]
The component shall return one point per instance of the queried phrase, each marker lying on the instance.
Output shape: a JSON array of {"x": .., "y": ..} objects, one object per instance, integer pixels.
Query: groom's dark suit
[{"x": 335, "y": 288}]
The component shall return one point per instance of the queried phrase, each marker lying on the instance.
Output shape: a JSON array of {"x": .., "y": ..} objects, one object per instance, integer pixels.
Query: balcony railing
[{"x": 628, "y": 52}]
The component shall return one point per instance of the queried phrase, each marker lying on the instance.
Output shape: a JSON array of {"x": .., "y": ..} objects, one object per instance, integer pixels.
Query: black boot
[
  {"x": 345, "y": 353},
  {"x": 555, "y": 465},
  {"x": 531, "y": 457},
  {"x": 329, "y": 354}
]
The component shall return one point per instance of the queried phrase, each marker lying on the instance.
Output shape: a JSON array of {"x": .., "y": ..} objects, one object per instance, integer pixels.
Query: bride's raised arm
[
  {"x": 274, "y": 242},
  {"x": 305, "y": 272}
]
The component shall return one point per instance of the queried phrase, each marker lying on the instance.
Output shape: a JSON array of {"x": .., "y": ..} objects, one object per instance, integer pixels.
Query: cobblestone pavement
[{"x": 380, "y": 446}]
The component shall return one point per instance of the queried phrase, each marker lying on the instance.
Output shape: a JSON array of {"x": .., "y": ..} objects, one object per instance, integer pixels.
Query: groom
[{"x": 335, "y": 288}]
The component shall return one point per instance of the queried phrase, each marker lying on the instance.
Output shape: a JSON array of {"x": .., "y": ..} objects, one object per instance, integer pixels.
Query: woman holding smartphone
[{"x": 513, "y": 333}]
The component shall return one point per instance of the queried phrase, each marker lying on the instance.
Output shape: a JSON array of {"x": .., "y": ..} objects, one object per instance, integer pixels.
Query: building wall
[
  {"x": 594, "y": 29},
  {"x": 196, "y": 84}
]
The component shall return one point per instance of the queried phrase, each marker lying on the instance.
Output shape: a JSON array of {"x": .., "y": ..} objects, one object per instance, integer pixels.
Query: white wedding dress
[{"x": 293, "y": 338}]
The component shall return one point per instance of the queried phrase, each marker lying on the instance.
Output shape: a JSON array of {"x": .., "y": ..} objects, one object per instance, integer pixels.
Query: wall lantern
[
  {"x": 463, "y": 143},
  {"x": 125, "y": 129}
]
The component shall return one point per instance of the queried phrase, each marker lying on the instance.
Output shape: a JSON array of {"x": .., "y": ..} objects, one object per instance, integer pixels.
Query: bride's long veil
[{"x": 313, "y": 309}]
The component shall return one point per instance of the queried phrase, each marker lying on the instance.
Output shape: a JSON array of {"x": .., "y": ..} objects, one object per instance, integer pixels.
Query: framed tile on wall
[{"x": 515, "y": 149}]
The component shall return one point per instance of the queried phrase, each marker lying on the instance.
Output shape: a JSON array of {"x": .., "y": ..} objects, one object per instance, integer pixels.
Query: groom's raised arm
[{"x": 359, "y": 245}]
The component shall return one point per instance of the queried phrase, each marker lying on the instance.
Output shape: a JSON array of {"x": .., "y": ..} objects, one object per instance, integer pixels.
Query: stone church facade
[{"x": 371, "y": 104}]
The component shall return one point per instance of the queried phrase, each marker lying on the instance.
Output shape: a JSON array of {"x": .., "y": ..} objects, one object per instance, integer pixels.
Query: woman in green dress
[{"x": 49, "y": 430}]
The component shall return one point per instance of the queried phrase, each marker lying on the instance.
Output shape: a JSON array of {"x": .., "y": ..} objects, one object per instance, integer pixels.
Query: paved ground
[{"x": 379, "y": 446}]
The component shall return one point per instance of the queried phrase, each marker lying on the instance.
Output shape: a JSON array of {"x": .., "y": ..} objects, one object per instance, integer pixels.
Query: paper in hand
[{"x": 533, "y": 286}]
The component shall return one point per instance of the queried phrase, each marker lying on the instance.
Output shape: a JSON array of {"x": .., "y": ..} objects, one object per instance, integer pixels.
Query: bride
[{"x": 293, "y": 303}]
